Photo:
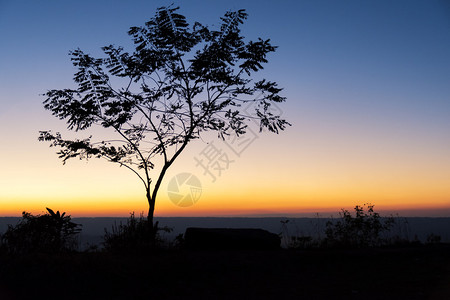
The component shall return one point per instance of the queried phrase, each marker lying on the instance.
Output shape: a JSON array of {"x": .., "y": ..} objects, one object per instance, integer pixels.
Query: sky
[{"x": 368, "y": 95}]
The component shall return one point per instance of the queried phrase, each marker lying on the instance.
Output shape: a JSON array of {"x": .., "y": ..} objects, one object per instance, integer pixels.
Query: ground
[{"x": 394, "y": 273}]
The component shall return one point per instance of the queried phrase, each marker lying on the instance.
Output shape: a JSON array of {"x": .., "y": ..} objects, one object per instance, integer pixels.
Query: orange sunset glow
[{"x": 369, "y": 107}]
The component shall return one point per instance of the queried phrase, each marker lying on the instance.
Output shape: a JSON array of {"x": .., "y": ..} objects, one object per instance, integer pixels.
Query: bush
[
  {"x": 433, "y": 239},
  {"x": 135, "y": 236},
  {"x": 362, "y": 230},
  {"x": 48, "y": 233}
]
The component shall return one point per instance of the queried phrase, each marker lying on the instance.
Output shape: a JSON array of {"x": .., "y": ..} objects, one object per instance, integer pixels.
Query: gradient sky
[{"x": 368, "y": 89}]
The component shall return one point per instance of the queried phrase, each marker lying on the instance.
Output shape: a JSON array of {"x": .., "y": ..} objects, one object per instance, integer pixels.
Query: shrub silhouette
[
  {"x": 49, "y": 233},
  {"x": 362, "y": 230},
  {"x": 134, "y": 236},
  {"x": 433, "y": 239}
]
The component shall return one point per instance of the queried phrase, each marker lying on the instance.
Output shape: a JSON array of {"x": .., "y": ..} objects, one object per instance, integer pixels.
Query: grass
[{"x": 384, "y": 273}]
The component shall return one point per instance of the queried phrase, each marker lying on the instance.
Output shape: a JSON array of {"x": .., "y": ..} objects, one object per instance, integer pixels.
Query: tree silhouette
[{"x": 179, "y": 82}]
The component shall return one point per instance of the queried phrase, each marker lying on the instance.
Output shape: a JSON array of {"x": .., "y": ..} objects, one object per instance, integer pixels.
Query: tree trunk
[{"x": 151, "y": 210}]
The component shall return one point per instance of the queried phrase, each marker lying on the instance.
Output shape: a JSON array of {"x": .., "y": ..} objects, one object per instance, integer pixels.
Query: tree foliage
[{"x": 180, "y": 81}]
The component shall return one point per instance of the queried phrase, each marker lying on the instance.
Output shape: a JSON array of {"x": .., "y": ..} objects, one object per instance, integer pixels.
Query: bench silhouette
[{"x": 230, "y": 238}]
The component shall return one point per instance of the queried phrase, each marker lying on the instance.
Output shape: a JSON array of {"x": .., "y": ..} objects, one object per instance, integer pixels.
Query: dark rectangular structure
[{"x": 230, "y": 239}]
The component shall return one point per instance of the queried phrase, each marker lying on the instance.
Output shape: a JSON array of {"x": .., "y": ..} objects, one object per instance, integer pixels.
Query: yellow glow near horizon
[
  {"x": 252, "y": 185},
  {"x": 237, "y": 202},
  {"x": 369, "y": 107}
]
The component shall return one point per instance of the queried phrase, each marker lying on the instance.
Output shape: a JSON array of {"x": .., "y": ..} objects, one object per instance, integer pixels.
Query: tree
[{"x": 179, "y": 82}]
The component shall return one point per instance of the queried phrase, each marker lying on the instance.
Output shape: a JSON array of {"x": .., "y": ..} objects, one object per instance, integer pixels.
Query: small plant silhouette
[
  {"x": 362, "y": 230},
  {"x": 433, "y": 239},
  {"x": 50, "y": 233},
  {"x": 134, "y": 236}
]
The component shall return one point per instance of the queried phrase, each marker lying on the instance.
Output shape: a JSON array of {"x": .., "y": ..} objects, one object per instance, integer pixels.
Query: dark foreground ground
[{"x": 406, "y": 273}]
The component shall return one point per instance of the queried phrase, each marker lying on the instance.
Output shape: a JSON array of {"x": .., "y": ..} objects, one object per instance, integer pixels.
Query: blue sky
[
  {"x": 367, "y": 82},
  {"x": 332, "y": 47}
]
